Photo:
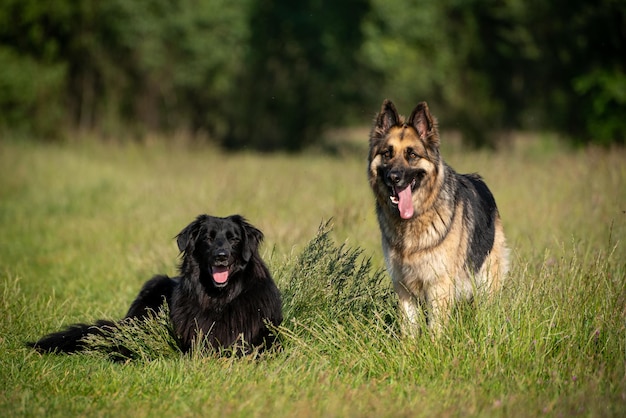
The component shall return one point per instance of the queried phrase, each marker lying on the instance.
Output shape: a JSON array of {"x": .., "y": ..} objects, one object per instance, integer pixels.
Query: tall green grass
[{"x": 84, "y": 225}]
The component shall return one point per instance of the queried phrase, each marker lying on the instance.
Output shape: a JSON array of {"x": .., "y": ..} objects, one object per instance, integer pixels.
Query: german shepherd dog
[
  {"x": 224, "y": 293},
  {"x": 442, "y": 236}
]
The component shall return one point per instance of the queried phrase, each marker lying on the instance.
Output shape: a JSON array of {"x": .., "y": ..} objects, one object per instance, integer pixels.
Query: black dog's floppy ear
[
  {"x": 187, "y": 237},
  {"x": 252, "y": 237}
]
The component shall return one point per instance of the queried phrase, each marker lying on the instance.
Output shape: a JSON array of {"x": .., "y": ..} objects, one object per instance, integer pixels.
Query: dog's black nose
[
  {"x": 221, "y": 255},
  {"x": 395, "y": 176}
]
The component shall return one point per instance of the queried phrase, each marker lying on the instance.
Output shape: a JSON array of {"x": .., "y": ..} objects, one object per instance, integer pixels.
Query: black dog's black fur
[{"x": 224, "y": 291}]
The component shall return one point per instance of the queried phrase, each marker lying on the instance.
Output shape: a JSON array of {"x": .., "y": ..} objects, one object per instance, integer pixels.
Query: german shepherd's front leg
[
  {"x": 412, "y": 314},
  {"x": 439, "y": 298}
]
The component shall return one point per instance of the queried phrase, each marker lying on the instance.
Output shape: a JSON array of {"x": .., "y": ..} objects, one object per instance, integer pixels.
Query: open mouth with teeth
[
  {"x": 220, "y": 274},
  {"x": 402, "y": 197}
]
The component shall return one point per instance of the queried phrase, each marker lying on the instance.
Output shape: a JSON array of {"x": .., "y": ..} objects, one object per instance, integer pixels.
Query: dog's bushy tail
[{"x": 71, "y": 339}]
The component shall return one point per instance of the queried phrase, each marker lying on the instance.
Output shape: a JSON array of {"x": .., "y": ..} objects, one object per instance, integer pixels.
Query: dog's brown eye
[
  {"x": 386, "y": 154},
  {"x": 412, "y": 155}
]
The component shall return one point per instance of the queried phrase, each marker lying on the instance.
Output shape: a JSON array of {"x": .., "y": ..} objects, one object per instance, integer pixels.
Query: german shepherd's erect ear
[
  {"x": 387, "y": 118},
  {"x": 425, "y": 125}
]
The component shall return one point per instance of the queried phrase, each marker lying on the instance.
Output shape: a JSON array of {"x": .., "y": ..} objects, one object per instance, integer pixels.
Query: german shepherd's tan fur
[{"x": 442, "y": 236}]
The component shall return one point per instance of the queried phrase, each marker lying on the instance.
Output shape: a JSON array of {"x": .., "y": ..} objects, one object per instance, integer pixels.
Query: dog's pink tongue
[
  {"x": 405, "y": 206},
  {"x": 220, "y": 274}
]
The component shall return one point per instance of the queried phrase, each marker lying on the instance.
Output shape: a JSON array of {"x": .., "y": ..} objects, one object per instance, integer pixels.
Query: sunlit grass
[{"x": 84, "y": 225}]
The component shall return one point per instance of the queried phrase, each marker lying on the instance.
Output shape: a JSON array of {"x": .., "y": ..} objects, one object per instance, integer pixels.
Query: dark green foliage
[
  {"x": 26, "y": 105},
  {"x": 302, "y": 72},
  {"x": 487, "y": 66},
  {"x": 149, "y": 66},
  {"x": 274, "y": 74},
  {"x": 33, "y": 74},
  {"x": 571, "y": 72}
]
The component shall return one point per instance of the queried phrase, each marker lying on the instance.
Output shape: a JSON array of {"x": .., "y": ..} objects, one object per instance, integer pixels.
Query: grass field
[{"x": 84, "y": 225}]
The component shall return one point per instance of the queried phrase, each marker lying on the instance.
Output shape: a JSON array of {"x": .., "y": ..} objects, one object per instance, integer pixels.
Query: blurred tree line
[{"x": 273, "y": 74}]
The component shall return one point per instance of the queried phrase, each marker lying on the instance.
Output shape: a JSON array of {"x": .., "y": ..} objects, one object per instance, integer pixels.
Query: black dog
[{"x": 224, "y": 291}]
